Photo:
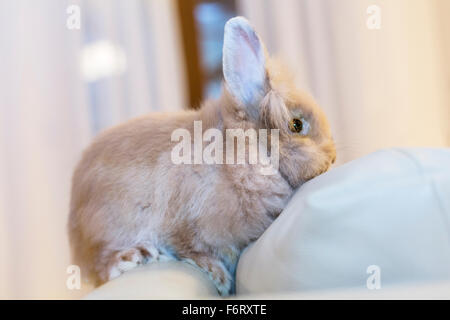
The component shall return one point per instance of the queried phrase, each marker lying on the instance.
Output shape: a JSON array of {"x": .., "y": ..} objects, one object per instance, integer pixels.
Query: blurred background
[{"x": 382, "y": 82}]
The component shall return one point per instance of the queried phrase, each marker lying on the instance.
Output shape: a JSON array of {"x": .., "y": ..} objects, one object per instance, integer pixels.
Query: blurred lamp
[{"x": 102, "y": 59}]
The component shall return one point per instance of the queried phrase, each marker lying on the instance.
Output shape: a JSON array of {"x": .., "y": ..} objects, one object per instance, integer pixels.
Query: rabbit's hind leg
[
  {"x": 124, "y": 260},
  {"x": 120, "y": 261}
]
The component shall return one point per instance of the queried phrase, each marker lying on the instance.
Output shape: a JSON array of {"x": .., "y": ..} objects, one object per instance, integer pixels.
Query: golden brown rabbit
[{"x": 132, "y": 204}]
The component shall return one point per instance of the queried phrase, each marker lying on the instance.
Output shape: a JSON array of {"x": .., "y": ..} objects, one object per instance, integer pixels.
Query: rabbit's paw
[
  {"x": 126, "y": 260},
  {"x": 215, "y": 270}
]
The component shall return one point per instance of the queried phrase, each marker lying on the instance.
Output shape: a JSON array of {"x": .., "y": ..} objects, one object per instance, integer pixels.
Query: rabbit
[{"x": 131, "y": 204}]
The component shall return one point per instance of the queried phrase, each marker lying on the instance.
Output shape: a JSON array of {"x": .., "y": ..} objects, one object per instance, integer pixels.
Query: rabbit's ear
[{"x": 243, "y": 62}]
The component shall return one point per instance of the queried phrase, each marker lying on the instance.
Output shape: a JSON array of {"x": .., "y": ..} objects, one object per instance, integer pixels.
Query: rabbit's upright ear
[{"x": 244, "y": 62}]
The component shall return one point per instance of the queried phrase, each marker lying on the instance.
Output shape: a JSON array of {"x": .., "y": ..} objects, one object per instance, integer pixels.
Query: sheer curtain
[
  {"x": 58, "y": 88},
  {"x": 380, "y": 87}
]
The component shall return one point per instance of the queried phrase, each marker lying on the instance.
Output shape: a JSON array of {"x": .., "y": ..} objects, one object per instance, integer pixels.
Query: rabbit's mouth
[
  {"x": 315, "y": 174},
  {"x": 317, "y": 170}
]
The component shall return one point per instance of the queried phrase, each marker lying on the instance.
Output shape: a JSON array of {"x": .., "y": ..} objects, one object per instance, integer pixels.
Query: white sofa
[{"x": 375, "y": 228}]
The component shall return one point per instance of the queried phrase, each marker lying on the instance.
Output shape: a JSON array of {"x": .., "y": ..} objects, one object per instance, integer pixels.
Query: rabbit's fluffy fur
[{"x": 131, "y": 204}]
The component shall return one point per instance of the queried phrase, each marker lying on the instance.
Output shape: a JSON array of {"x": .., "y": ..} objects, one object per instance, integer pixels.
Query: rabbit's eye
[
  {"x": 299, "y": 125},
  {"x": 296, "y": 125}
]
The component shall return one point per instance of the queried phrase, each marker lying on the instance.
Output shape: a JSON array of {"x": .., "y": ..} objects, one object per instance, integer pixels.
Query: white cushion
[
  {"x": 390, "y": 209},
  {"x": 162, "y": 280}
]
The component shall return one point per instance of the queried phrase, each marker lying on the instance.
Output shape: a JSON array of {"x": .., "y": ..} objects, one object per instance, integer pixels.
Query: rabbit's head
[{"x": 265, "y": 95}]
